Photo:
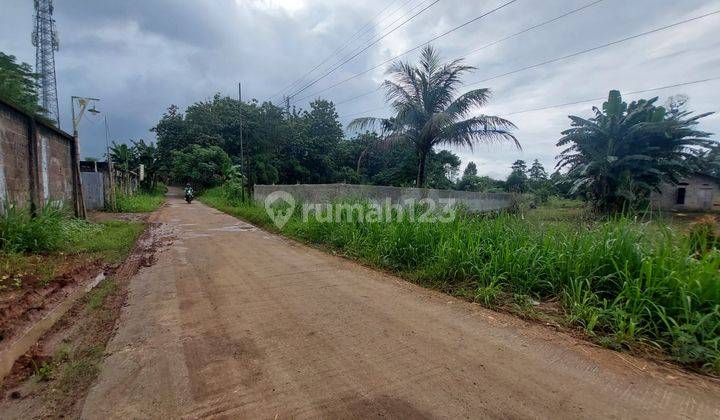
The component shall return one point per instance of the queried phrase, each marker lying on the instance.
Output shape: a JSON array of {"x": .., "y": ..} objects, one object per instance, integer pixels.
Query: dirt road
[{"x": 234, "y": 322}]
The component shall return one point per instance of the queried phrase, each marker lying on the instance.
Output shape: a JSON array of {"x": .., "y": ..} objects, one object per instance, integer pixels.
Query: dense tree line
[{"x": 287, "y": 148}]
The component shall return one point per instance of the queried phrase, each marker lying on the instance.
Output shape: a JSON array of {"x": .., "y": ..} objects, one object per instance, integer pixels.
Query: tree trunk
[{"x": 422, "y": 157}]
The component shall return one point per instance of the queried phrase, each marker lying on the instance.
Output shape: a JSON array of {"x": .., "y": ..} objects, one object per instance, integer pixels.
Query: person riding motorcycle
[{"x": 188, "y": 193}]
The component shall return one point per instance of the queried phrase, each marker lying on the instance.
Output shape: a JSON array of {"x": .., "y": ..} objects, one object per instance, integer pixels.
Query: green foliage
[
  {"x": 97, "y": 297},
  {"x": 203, "y": 167},
  {"x": 618, "y": 157},
  {"x": 617, "y": 279},
  {"x": 708, "y": 160},
  {"x": 53, "y": 230},
  {"x": 18, "y": 85},
  {"x": 517, "y": 181},
  {"x": 140, "y": 202},
  {"x": 470, "y": 181},
  {"x": 112, "y": 241},
  {"x": 470, "y": 170},
  {"x": 44, "y": 372},
  {"x": 705, "y": 235},
  {"x": 145, "y": 200},
  {"x": 129, "y": 158},
  {"x": 537, "y": 172},
  {"x": 122, "y": 156},
  {"x": 21, "y": 232},
  {"x": 428, "y": 113}
]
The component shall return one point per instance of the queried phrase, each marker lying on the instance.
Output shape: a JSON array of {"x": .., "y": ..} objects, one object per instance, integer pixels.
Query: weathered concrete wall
[
  {"x": 56, "y": 165},
  {"x": 702, "y": 193},
  {"x": 326, "y": 193},
  {"x": 14, "y": 156},
  {"x": 36, "y": 163}
]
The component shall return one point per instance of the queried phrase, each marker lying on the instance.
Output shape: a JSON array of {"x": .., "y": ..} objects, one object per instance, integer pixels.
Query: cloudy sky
[{"x": 138, "y": 57}]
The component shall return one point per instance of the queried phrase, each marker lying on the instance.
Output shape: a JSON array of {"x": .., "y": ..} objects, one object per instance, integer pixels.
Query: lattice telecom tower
[{"x": 46, "y": 42}]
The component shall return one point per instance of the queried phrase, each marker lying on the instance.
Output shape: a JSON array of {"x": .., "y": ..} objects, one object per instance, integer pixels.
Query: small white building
[{"x": 698, "y": 192}]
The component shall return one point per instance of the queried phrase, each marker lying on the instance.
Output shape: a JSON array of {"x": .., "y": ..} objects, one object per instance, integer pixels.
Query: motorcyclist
[{"x": 188, "y": 192}]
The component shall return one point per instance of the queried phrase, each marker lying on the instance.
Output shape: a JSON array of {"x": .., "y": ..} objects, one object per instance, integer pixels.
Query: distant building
[{"x": 697, "y": 192}]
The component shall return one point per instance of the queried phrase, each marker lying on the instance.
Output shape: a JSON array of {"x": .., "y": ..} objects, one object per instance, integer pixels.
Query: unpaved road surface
[{"x": 234, "y": 322}]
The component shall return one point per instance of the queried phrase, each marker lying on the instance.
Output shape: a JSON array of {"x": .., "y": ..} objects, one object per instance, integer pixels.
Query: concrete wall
[
  {"x": 702, "y": 193},
  {"x": 36, "y": 164},
  {"x": 325, "y": 193}
]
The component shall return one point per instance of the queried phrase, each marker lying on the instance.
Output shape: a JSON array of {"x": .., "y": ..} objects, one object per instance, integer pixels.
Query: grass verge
[
  {"x": 142, "y": 201},
  {"x": 80, "y": 243},
  {"x": 624, "y": 282},
  {"x": 54, "y": 377}
]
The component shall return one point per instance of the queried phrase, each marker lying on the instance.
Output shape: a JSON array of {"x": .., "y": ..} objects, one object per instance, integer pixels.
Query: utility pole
[
  {"x": 242, "y": 152},
  {"x": 111, "y": 173},
  {"x": 82, "y": 103}
]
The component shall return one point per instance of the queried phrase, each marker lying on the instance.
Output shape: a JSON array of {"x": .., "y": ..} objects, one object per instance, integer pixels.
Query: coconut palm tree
[
  {"x": 428, "y": 113},
  {"x": 621, "y": 155}
]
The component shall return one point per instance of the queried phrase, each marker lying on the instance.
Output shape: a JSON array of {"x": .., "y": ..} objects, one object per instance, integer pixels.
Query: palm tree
[
  {"x": 625, "y": 152},
  {"x": 428, "y": 114},
  {"x": 122, "y": 155}
]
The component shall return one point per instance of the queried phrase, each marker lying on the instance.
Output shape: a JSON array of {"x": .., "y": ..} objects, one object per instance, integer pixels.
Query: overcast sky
[{"x": 139, "y": 57}]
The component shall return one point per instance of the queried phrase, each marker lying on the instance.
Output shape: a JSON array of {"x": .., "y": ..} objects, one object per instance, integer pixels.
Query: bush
[
  {"x": 20, "y": 232},
  {"x": 52, "y": 229},
  {"x": 704, "y": 235}
]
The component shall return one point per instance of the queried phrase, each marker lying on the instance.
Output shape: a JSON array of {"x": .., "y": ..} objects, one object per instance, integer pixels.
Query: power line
[
  {"x": 583, "y": 101},
  {"x": 381, "y": 31},
  {"x": 528, "y": 29},
  {"x": 362, "y": 31},
  {"x": 358, "y": 97},
  {"x": 365, "y": 48},
  {"x": 575, "y": 54},
  {"x": 373, "y": 40},
  {"x": 446, "y": 33},
  {"x": 422, "y": 2},
  {"x": 382, "y": 108},
  {"x": 636, "y": 92}
]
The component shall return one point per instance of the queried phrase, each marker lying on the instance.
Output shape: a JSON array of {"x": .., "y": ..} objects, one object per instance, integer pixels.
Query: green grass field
[{"x": 625, "y": 282}]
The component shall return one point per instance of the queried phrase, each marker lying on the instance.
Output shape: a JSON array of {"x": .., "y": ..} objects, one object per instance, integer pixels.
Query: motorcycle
[{"x": 189, "y": 196}]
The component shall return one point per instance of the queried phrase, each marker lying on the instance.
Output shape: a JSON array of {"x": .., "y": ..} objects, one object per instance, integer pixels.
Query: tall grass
[
  {"x": 618, "y": 279},
  {"x": 20, "y": 232},
  {"x": 54, "y": 229},
  {"x": 141, "y": 201}
]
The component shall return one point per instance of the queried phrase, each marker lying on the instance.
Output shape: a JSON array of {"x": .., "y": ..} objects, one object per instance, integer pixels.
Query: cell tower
[{"x": 46, "y": 42}]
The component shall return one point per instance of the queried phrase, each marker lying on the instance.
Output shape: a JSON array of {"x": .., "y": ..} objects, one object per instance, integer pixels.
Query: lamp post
[{"x": 82, "y": 105}]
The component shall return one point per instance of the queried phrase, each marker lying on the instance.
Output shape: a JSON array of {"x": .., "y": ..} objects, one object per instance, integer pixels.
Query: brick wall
[{"x": 36, "y": 163}]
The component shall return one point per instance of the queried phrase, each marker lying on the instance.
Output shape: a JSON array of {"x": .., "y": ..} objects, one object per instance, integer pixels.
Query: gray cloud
[{"x": 140, "y": 57}]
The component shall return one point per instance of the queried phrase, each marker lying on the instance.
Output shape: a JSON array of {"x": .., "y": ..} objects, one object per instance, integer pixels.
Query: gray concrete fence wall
[
  {"x": 326, "y": 193},
  {"x": 36, "y": 160}
]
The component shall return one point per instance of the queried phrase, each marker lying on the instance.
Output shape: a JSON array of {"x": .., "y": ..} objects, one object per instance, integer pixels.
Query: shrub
[
  {"x": 704, "y": 234},
  {"x": 21, "y": 232}
]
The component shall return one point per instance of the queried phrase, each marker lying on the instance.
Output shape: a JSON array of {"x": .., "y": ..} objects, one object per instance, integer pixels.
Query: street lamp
[{"x": 82, "y": 105}]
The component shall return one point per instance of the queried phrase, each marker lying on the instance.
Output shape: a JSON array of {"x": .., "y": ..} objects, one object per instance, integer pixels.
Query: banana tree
[{"x": 618, "y": 157}]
